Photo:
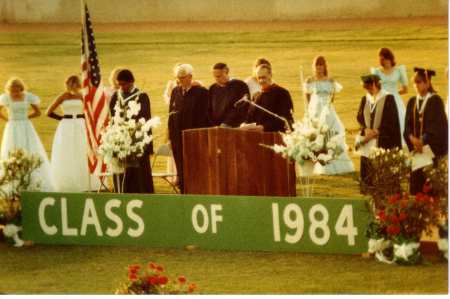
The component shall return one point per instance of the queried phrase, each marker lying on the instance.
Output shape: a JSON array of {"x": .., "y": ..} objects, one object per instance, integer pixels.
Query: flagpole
[{"x": 83, "y": 35}]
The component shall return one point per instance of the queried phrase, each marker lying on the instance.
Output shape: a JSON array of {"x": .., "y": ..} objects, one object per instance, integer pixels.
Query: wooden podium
[{"x": 233, "y": 162}]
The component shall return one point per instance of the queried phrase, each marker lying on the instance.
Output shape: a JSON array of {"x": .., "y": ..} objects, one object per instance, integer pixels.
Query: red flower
[
  {"x": 382, "y": 215},
  {"x": 426, "y": 188},
  {"x": 163, "y": 280},
  {"x": 153, "y": 280},
  {"x": 420, "y": 196},
  {"x": 152, "y": 265},
  {"x": 132, "y": 276},
  {"x": 394, "y": 198},
  {"x": 192, "y": 287},
  {"x": 394, "y": 219},
  {"x": 133, "y": 269},
  {"x": 393, "y": 229},
  {"x": 160, "y": 269},
  {"x": 181, "y": 279},
  {"x": 402, "y": 216}
]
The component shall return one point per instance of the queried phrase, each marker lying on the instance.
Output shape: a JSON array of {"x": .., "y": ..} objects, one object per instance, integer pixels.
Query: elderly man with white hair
[{"x": 188, "y": 109}]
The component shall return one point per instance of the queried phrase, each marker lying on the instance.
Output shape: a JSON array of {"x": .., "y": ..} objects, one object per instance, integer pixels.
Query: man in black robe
[
  {"x": 274, "y": 98},
  {"x": 378, "y": 119},
  {"x": 222, "y": 98},
  {"x": 188, "y": 110},
  {"x": 138, "y": 173},
  {"x": 426, "y": 124}
]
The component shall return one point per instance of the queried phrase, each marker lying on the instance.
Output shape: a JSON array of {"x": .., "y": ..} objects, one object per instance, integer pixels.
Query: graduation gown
[
  {"x": 221, "y": 102},
  {"x": 138, "y": 177},
  {"x": 186, "y": 111},
  {"x": 276, "y": 99},
  {"x": 431, "y": 127},
  {"x": 384, "y": 118}
]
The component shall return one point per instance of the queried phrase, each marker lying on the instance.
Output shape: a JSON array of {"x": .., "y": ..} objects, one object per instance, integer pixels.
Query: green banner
[{"x": 325, "y": 225}]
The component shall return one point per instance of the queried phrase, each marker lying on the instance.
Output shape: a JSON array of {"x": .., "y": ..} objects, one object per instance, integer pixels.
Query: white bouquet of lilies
[
  {"x": 126, "y": 138},
  {"x": 311, "y": 140}
]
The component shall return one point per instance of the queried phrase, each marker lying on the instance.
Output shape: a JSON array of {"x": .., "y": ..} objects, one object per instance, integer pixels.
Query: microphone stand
[{"x": 286, "y": 123}]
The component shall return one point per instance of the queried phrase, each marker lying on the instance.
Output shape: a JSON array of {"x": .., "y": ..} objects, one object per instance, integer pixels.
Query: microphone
[
  {"x": 241, "y": 100},
  {"x": 245, "y": 99}
]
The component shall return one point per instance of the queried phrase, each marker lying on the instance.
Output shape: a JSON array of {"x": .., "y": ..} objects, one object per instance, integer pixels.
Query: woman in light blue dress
[
  {"x": 392, "y": 76},
  {"x": 320, "y": 91},
  {"x": 19, "y": 131}
]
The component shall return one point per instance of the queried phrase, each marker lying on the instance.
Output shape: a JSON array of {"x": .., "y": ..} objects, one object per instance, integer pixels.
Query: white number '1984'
[{"x": 293, "y": 219}]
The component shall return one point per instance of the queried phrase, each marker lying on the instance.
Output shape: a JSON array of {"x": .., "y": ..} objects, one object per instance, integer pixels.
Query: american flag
[{"x": 96, "y": 108}]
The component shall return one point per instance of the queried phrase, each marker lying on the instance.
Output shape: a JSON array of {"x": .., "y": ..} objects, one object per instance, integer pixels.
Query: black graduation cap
[
  {"x": 369, "y": 79},
  {"x": 426, "y": 72}
]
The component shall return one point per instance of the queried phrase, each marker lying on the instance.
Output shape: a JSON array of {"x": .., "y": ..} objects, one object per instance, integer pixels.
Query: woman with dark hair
[
  {"x": 391, "y": 76},
  {"x": 378, "y": 120},
  {"x": 138, "y": 178},
  {"x": 319, "y": 91},
  {"x": 69, "y": 163},
  {"x": 426, "y": 123}
]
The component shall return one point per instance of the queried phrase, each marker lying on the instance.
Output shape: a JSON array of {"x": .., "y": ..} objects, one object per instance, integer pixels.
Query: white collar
[
  {"x": 133, "y": 93},
  {"x": 424, "y": 103},
  {"x": 373, "y": 100}
]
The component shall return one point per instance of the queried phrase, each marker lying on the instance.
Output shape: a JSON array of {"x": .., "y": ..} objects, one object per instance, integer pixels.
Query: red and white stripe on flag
[{"x": 96, "y": 108}]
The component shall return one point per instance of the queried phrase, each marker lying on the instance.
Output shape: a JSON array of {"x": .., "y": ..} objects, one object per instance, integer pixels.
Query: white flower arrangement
[
  {"x": 126, "y": 137},
  {"x": 311, "y": 140},
  {"x": 11, "y": 231}
]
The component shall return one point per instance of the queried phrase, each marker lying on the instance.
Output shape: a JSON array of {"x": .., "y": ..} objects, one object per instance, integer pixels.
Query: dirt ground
[{"x": 228, "y": 26}]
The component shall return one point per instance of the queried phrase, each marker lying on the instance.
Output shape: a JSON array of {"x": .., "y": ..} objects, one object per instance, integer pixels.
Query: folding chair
[{"x": 164, "y": 151}]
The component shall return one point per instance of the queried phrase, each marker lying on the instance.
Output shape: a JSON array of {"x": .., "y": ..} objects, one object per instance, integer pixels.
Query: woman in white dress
[
  {"x": 319, "y": 92},
  {"x": 69, "y": 163},
  {"x": 252, "y": 82},
  {"x": 19, "y": 131},
  {"x": 392, "y": 76}
]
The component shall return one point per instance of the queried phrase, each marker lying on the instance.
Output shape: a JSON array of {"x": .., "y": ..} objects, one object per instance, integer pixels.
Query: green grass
[
  {"x": 99, "y": 270},
  {"x": 43, "y": 59}
]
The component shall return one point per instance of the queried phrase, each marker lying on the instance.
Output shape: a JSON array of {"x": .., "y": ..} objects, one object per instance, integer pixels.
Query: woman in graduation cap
[
  {"x": 392, "y": 76},
  {"x": 378, "y": 119},
  {"x": 425, "y": 124}
]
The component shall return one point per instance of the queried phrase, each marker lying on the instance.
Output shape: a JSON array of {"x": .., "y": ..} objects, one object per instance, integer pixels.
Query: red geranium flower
[
  {"x": 426, "y": 188},
  {"x": 420, "y": 196},
  {"x": 132, "y": 276},
  {"x": 192, "y": 287},
  {"x": 163, "y": 280},
  {"x": 393, "y": 229},
  {"x": 394, "y": 198},
  {"x": 402, "y": 216},
  {"x": 153, "y": 280},
  {"x": 382, "y": 215},
  {"x": 181, "y": 279},
  {"x": 394, "y": 219},
  {"x": 134, "y": 268}
]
